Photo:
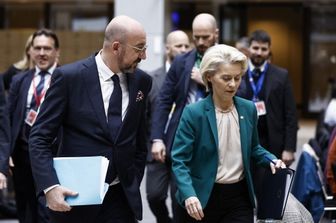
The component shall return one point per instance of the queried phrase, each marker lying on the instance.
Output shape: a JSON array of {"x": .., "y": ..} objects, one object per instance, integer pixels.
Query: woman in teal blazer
[{"x": 215, "y": 143}]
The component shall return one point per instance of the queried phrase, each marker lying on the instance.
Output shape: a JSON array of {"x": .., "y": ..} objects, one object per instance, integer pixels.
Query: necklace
[{"x": 224, "y": 111}]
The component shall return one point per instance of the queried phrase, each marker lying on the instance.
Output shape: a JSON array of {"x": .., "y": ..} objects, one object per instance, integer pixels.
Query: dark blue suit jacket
[
  {"x": 174, "y": 90},
  {"x": 281, "y": 114},
  {"x": 4, "y": 132},
  {"x": 74, "y": 102},
  {"x": 16, "y": 108}
]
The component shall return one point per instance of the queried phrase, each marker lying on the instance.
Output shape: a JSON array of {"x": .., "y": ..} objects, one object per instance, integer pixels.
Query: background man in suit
[
  {"x": 269, "y": 87},
  {"x": 183, "y": 85},
  {"x": 100, "y": 104},
  {"x": 26, "y": 94},
  {"x": 159, "y": 174}
]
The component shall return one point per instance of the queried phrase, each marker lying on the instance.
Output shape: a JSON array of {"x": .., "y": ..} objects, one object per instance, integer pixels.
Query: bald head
[
  {"x": 177, "y": 42},
  {"x": 124, "y": 44},
  {"x": 205, "y": 32},
  {"x": 175, "y": 36},
  {"x": 204, "y": 20},
  {"x": 120, "y": 27}
]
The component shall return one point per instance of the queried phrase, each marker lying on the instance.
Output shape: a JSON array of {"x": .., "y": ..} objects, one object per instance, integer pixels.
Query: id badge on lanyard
[
  {"x": 256, "y": 88},
  {"x": 32, "y": 114}
]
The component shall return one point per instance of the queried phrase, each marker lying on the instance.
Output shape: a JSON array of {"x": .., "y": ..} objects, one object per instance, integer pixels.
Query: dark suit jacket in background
[
  {"x": 174, "y": 90},
  {"x": 9, "y": 74},
  {"x": 17, "y": 102},
  {"x": 158, "y": 77},
  {"x": 281, "y": 114},
  {"x": 4, "y": 131},
  {"x": 74, "y": 102},
  {"x": 29, "y": 207}
]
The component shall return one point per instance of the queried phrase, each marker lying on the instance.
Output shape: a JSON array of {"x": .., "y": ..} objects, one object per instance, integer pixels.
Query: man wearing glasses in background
[
  {"x": 158, "y": 174},
  {"x": 26, "y": 95},
  {"x": 99, "y": 105}
]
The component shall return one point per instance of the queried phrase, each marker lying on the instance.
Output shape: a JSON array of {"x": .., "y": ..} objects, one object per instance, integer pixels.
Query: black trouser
[
  {"x": 228, "y": 203},
  {"x": 159, "y": 178},
  {"x": 30, "y": 209}
]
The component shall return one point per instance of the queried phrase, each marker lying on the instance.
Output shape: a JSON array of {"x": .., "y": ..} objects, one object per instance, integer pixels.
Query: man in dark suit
[
  {"x": 269, "y": 87},
  {"x": 26, "y": 94},
  {"x": 183, "y": 85},
  {"x": 99, "y": 103},
  {"x": 158, "y": 175}
]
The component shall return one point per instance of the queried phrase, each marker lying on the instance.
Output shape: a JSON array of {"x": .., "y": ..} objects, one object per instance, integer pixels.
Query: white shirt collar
[
  {"x": 167, "y": 66},
  {"x": 251, "y": 66},
  {"x": 103, "y": 69},
  {"x": 50, "y": 70}
]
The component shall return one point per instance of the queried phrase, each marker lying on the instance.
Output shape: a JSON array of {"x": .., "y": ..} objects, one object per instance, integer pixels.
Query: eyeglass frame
[{"x": 139, "y": 50}]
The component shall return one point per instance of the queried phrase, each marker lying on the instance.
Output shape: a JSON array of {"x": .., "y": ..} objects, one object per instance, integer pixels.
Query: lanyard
[
  {"x": 256, "y": 87},
  {"x": 38, "y": 98}
]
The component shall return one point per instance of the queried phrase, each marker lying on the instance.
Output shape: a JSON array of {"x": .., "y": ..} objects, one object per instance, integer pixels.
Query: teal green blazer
[{"x": 195, "y": 149}]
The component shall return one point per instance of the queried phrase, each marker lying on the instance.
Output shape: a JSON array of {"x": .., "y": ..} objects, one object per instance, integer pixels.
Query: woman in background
[{"x": 25, "y": 63}]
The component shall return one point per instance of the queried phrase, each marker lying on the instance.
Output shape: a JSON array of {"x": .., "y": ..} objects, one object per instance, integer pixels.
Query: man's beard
[
  {"x": 257, "y": 61},
  {"x": 130, "y": 68}
]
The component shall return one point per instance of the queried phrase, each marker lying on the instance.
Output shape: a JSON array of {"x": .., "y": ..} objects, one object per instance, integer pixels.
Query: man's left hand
[{"x": 288, "y": 157}]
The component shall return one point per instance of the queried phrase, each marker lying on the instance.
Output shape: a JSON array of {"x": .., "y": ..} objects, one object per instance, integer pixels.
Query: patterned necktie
[
  {"x": 114, "y": 109},
  {"x": 256, "y": 74},
  {"x": 39, "y": 89}
]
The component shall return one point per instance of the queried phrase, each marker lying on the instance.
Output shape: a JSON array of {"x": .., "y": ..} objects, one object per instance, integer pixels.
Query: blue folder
[{"x": 85, "y": 175}]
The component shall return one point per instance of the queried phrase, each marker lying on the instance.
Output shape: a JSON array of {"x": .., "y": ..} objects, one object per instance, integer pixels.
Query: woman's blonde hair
[
  {"x": 25, "y": 62},
  {"x": 218, "y": 55}
]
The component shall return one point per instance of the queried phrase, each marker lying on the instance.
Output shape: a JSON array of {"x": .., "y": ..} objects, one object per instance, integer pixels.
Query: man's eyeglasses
[{"x": 137, "y": 49}]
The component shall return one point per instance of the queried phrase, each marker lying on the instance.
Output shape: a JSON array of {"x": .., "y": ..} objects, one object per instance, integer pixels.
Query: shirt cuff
[
  {"x": 50, "y": 188},
  {"x": 157, "y": 140}
]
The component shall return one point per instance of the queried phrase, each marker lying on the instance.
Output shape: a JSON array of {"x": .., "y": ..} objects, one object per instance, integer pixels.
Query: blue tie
[
  {"x": 114, "y": 109},
  {"x": 39, "y": 89}
]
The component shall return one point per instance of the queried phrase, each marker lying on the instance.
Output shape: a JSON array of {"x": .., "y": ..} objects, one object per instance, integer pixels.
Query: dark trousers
[
  {"x": 115, "y": 209},
  {"x": 30, "y": 209},
  {"x": 258, "y": 173},
  {"x": 228, "y": 203},
  {"x": 159, "y": 178}
]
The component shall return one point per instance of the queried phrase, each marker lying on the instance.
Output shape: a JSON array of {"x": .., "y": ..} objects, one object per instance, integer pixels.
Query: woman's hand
[
  {"x": 194, "y": 208},
  {"x": 277, "y": 164}
]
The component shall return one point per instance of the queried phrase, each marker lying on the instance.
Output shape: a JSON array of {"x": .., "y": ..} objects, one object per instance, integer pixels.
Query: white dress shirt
[
  {"x": 36, "y": 81},
  {"x": 107, "y": 86}
]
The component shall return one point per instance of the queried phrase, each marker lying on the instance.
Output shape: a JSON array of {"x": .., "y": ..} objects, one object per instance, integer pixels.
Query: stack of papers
[{"x": 85, "y": 175}]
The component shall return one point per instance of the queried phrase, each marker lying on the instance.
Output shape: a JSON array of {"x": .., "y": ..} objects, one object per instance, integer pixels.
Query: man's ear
[{"x": 115, "y": 46}]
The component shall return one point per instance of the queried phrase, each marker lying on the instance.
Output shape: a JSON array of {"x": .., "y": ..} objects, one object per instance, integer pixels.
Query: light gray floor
[{"x": 306, "y": 131}]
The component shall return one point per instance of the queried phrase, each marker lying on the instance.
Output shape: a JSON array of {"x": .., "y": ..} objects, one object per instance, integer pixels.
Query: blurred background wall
[{"x": 303, "y": 32}]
